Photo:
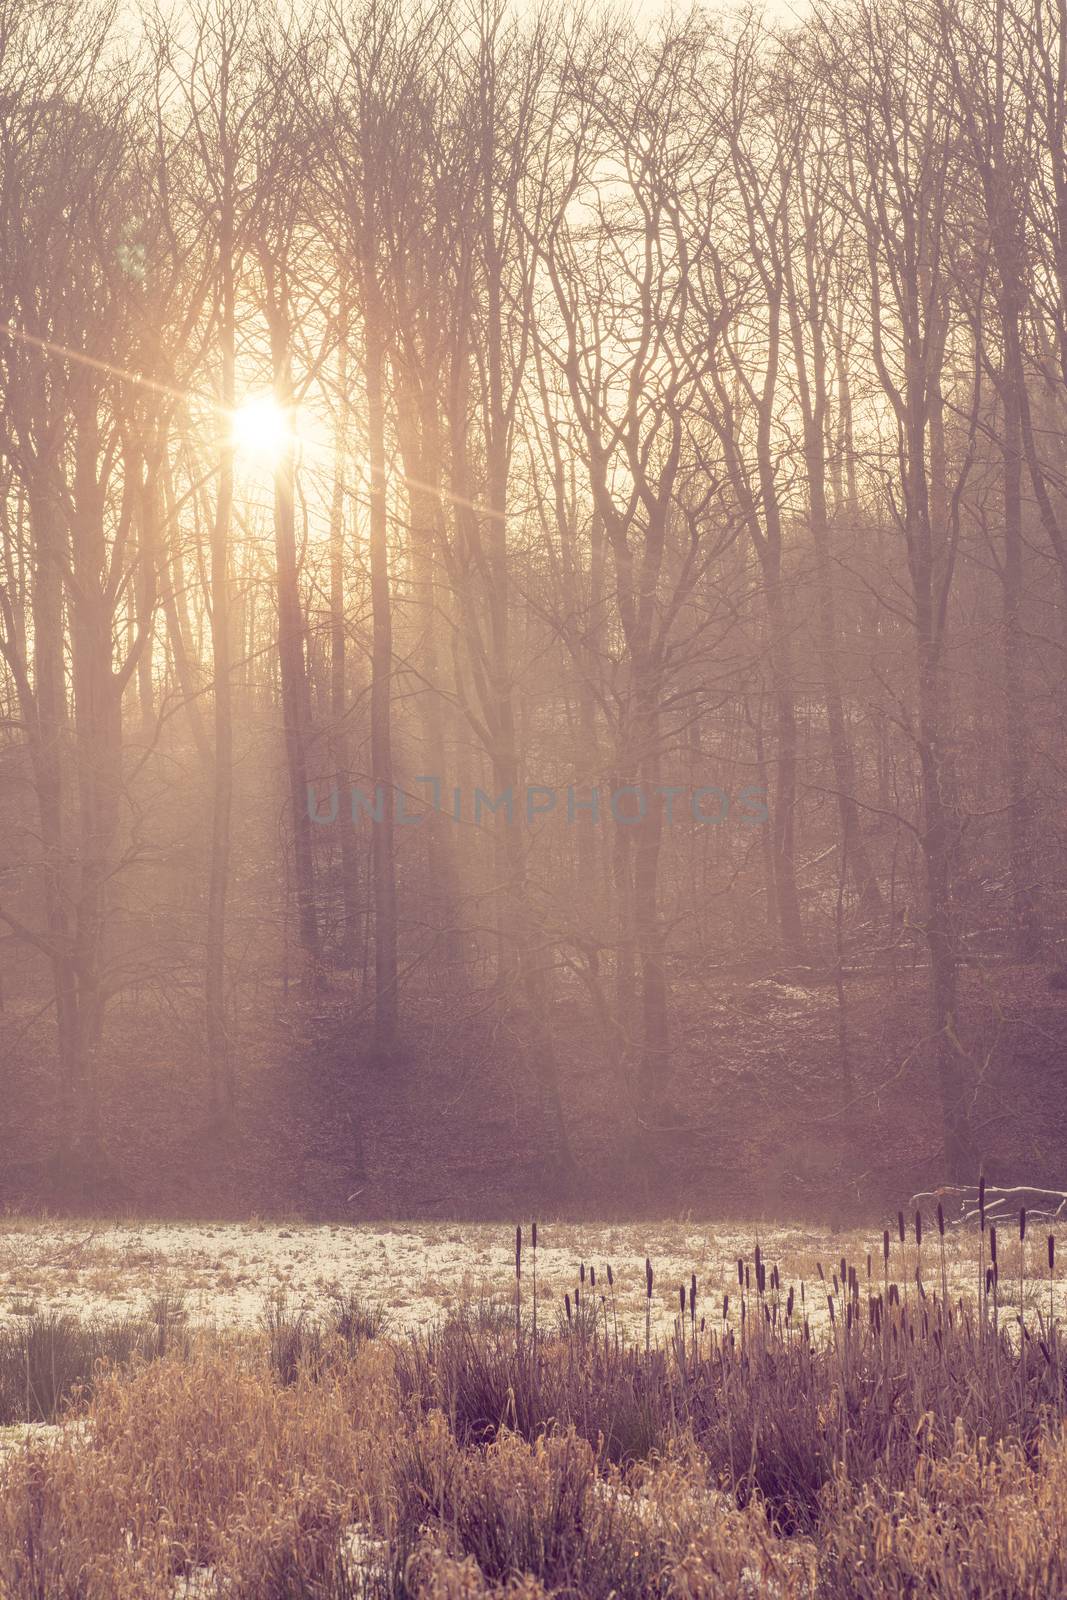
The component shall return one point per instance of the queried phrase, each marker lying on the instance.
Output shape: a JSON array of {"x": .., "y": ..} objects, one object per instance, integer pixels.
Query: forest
[{"x": 533, "y": 605}]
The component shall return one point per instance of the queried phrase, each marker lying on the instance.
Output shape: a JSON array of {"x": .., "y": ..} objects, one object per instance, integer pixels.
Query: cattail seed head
[
  {"x": 681, "y": 1297},
  {"x": 518, "y": 1252},
  {"x": 940, "y": 1219},
  {"x": 740, "y": 1273},
  {"x": 567, "y": 1303},
  {"x": 981, "y": 1201},
  {"x": 885, "y": 1244},
  {"x": 1052, "y": 1252},
  {"x": 581, "y": 1272},
  {"x": 918, "y": 1227},
  {"x": 900, "y": 1225},
  {"x": 648, "y": 1278},
  {"x": 692, "y": 1294},
  {"x": 993, "y": 1245},
  {"x": 533, "y": 1235},
  {"x": 725, "y": 1306},
  {"x": 611, "y": 1280},
  {"x": 592, "y": 1277},
  {"x": 1022, "y": 1223}
]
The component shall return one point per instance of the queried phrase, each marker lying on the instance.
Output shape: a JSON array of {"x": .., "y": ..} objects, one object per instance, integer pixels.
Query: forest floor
[{"x": 780, "y": 1104}]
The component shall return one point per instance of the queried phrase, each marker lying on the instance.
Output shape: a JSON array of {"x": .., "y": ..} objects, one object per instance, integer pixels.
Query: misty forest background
[{"x": 673, "y": 404}]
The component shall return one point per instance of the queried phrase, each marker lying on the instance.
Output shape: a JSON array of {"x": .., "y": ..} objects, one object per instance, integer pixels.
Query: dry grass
[{"x": 913, "y": 1447}]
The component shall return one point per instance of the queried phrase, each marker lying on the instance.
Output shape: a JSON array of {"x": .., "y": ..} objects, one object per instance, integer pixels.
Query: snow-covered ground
[{"x": 228, "y": 1271}]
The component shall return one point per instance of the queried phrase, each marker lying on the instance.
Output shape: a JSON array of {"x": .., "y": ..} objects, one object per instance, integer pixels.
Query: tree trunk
[
  {"x": 295, "y": 697},
  {"x": 383, "y": 860}
]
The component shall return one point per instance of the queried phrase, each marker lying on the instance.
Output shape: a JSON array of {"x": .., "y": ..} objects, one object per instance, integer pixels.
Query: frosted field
[{"x": 227, "y": 1272}]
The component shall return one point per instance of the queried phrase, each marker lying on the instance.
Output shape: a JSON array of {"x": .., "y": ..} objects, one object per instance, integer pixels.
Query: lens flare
[{"x": 261, "y": 428}]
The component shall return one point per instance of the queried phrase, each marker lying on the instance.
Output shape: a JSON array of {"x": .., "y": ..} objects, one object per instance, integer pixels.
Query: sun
[{"x": 261, "y": 428}]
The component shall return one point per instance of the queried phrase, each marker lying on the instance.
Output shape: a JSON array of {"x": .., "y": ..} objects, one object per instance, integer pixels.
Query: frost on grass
[{"x": 224, "y": 1273}]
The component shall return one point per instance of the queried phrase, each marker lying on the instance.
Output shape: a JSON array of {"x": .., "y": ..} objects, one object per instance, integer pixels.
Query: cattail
[
  {"x": 592, "y": 1277},
  {"x": 533, "y": 1241},
  {"x": 725, "y": 1306},
  {"x": 900, "y": 1225},
  {"x": 648, "y": 1307},
  {"x": 981, "y": 1201},
  {"x": 822, "y": 1275},
  {"x": 681, "y": 1297},
  {"x": 581, "y": 1272},
  {"x": 1052, "y": 1252},
  {"x": 989, "y": 1280},
  {"x": 885, "y": 1244},
  {"x": 567, "y": 1303},
  {"x": 577, "y": 1297},
  {"x": 692, "y": 1295},
  {"x": 518, "y": 1283},
  {"x": 844, "y": 1270},
  {"x": 940, "y": 1219},
  {"x": 868, "y": 1266},
  {"x": 1022, "y": 1223},
  {"x": 993, "y": 1245},
  {"x": 789, "y": 1303},
  {"x": 830, "y": 1303},
  {"x": 740, "y": 1273},
  {"x": 611, "y": 1280},
  {"x": 918, "y": 1227}
]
